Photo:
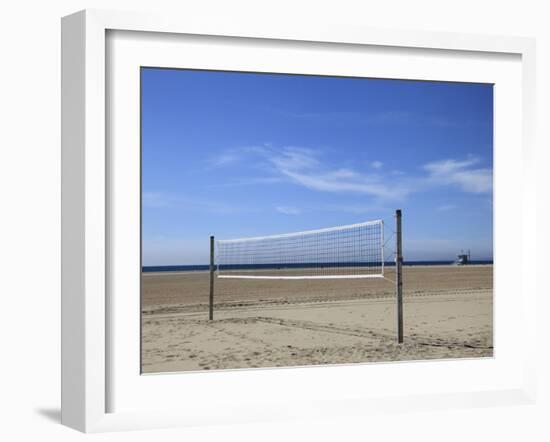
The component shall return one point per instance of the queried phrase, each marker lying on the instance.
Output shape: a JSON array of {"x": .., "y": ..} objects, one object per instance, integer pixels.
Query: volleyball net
[{"x": 350, "y": 251}]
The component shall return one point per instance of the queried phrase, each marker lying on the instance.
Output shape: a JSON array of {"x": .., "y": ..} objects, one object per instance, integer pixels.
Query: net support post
[
  {"x": 399, "y": 275},
  {"x": 211, "y": 297}
]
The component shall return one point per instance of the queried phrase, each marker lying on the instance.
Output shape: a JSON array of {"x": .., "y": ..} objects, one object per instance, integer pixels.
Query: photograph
[{"x": 292, "y": 220}]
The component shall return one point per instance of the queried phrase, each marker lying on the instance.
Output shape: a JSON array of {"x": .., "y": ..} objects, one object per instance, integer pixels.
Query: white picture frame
[{"x": 86, "y": 203}]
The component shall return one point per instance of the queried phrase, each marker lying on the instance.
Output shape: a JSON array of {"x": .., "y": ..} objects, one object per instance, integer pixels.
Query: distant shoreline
[{"x": 205, "y": 267}]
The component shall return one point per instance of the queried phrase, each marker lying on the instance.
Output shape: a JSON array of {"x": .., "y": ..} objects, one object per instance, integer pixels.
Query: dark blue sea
[{"x": 199, "y": 267}]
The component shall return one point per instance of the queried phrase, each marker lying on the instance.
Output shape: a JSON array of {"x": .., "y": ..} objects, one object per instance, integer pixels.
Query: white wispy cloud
[
  {"x": 287, "y": 210},
  {"x": 309, "y": 168},
  {"x": 224, "y": 159},
  {"x": 230, "y": 156},
  {"x": 464, "y": 174},
  {"x": 303, "y": 166},
  {"x": 294, "y": 158},
  {"x": 343, "y": 181}
]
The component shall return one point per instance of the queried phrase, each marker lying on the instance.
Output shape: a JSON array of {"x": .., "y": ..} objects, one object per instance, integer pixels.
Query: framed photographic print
[
  {"x": 346, "y": 149},
  {"x": 260, "y": 219}
]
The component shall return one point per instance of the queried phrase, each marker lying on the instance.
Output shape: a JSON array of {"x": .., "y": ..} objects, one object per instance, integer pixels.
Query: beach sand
[{"x": 448, "y": 313}]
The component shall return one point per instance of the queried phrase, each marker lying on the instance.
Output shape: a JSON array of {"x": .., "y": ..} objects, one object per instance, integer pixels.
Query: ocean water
[{"x": 202, "y": 267}]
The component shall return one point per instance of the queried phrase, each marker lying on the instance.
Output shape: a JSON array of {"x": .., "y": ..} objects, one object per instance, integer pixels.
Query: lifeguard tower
[{"x": 463, "y": 258}]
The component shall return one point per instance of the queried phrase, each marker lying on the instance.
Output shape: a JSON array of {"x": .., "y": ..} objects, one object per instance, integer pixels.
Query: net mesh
[{"x": 353, "y": 251}]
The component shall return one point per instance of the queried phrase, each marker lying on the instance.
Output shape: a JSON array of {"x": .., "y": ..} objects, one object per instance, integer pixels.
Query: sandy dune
[{"x": 448, "y": 314}]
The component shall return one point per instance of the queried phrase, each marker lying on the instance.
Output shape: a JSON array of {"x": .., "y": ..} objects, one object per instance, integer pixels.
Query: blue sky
[{"x": 242, "y": 154}]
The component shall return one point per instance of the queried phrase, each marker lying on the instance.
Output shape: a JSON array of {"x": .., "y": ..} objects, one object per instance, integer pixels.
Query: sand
[{"x": 448, "y": 313}]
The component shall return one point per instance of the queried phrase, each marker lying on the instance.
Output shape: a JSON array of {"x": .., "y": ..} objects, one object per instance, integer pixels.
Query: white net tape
[{"x": 353, "y": 251}]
